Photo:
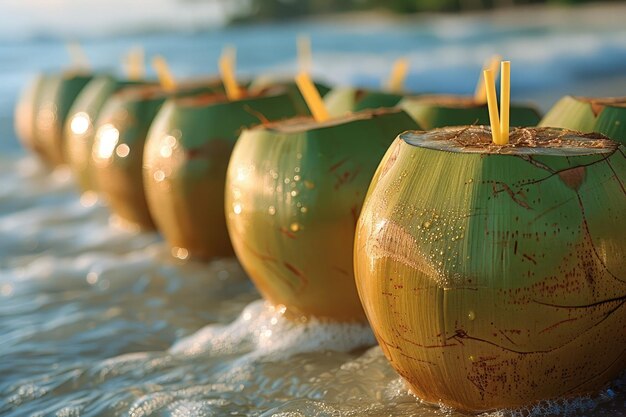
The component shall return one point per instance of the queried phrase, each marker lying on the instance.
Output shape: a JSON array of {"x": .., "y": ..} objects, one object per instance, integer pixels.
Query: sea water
[{"x": 97, "y": 320}]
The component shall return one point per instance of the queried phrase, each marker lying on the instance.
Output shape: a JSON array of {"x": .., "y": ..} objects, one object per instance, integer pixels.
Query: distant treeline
[{"x": 276, "y": 10}]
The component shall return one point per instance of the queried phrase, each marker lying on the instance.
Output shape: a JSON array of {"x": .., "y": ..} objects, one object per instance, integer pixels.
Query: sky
[{"x": 20, "y": 18}]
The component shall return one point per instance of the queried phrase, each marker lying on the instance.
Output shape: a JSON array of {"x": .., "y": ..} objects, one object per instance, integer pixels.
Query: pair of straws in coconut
[{"x": 499, "y": 120}]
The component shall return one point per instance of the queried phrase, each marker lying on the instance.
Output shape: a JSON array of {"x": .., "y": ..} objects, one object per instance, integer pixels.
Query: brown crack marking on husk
[
  {"x": 593, "y": 246},
  {"x": 573, "y": 178},
  {"x": 304, "y": 281},
  {"x": 604, "y": 158},
  {"x": 271, "y": 263},
  {"x": 617, "y": 178}
]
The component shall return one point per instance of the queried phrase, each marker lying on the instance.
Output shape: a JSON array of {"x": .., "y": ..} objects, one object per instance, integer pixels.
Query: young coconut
[
  {"x": 42, "y": 110},
  {"x": 118, "y": 147},
  {"x": 342, "y": 100},
  {"x": 604, "y": 115},
  {"x": 79, "y": 128},
  {"x": 185, "y": 163},
  {"x": 294, "y": 190},
  {"x": 262, "y": 84},
  {"x": 43, "y": 106},
  {"x": 433, "y": 111},
  {"x": 305, "y": 62},
  {"x": 494, "y": 276}
]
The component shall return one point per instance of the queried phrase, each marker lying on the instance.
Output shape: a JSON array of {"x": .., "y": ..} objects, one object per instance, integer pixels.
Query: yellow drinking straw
[
  {"x": 166, "y": 79},
  {"x": 227, "y": 71},
  {"x": 492, "y": 64},
  {"x": 399, "y": 72},
  {"x": 305, "y": 56},
  {"x": 505, "y": 100},
  {"x": 77, "y": 55},
  {"x": 492, "y": 103},
  {"x": 134, "y": 61},
  {"x": 312, "y": 97}
]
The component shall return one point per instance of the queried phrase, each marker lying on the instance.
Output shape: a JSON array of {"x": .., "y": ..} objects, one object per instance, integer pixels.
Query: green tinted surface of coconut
[
  {"x": 495, "y": 277},
  {"x": 294, "y": 192},
  {"x": 186, "y": 157},
  {"x": 51, "y": 100},
  {"x": 79, "y": 127},
  {"x": 439, "y": 111},
  {"x": 117, "y": 152},
  {"x": 603, "y": 115},
  {"x": 342, "y": 100},
  {"x": 612, "y": 122}
]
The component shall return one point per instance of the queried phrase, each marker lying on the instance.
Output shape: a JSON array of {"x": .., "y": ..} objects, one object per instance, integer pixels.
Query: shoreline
[
  {"x": 590, "y": 15},
  {"x": 600, "y": 16}
]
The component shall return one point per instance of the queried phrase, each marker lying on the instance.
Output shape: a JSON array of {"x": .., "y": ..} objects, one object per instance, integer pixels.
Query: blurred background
[{"x": 556, "y": 46}]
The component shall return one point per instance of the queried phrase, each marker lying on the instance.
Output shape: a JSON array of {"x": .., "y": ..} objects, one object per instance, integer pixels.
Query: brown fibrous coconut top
[
  {"x": 305, "y": 123},
  {"x": 447, "y": 100},
  {"x": 527, "y": 140}
]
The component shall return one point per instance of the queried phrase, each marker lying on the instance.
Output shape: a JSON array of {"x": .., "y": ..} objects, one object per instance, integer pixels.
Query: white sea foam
[{"x": 262, "y": 331}]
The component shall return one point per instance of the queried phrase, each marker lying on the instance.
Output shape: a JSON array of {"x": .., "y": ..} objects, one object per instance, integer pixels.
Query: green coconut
[
  {"x": 117, "y": 152},
  {"x": 440, "y": 110},
  {"x": 262, "y": 84},
  {"x": 79, "y": 127},
  {"x": 612, "y": 121},
  {"x": 185, "y": 162},
  {"x": 495, "y": 276},
  {"x": 294, "y": 190},
  {"x": 42, "y": 110},
  {"x": 604, "y": 115},
  {"x": 342, "y": 100}
]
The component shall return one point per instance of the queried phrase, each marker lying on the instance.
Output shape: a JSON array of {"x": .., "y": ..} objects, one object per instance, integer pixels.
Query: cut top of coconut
[
  {"x": 447, "y": 100},
  {"x": 599, "y": 103},
  {"x": 218, "y": 97},
  {"x": 604, "y": 101},
  {"x": 141, "y": 92},
  {"x": 201, "y": 100},
  {"x": 307, "y": 123},
  {"x": 154, "y": 91},
  {"x": 522, "y": 141},
  {"x": 76, "y": 73}
]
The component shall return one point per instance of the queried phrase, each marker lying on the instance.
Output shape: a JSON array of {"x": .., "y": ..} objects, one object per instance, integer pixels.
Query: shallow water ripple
[{"x": 96, "y": 320}]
